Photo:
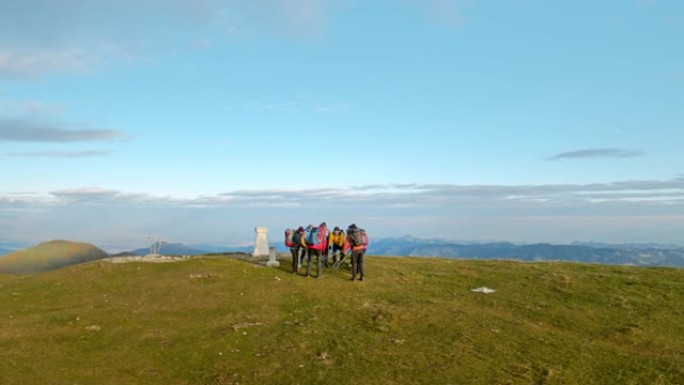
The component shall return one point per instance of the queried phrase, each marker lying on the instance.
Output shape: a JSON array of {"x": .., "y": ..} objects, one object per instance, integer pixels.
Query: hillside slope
[
  {"x": 48, "y": 256},
  {"x": 413, "y": 321}
]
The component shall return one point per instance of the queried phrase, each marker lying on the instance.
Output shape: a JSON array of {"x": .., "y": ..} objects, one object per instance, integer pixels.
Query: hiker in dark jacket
[
  {"x": 357, "y": 241},
  {"x": 298, "y": 250}
]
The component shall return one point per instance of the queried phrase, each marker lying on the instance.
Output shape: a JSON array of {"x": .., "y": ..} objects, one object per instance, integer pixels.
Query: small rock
[{"x": 93, "y": 328}]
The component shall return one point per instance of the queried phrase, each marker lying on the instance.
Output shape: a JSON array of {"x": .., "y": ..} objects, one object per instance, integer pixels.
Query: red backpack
[
  {"x": 315, "y": 238},
  {"x": 289, "y": 235}
]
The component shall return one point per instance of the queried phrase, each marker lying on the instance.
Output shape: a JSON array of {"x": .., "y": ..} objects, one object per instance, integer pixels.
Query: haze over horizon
[{"x": 521, "y": 121}]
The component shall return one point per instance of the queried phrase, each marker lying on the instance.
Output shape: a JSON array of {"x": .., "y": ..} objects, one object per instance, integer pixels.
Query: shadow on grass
[
  {"x": 285, "y": 265},
  {"x": 342, "y": 272}
]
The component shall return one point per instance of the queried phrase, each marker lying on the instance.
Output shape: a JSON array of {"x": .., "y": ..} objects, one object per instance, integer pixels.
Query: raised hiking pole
[{"x": 339, "y": 262}]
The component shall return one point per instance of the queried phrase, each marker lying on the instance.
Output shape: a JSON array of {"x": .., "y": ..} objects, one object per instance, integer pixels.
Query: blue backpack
[
  {"x": 312, "y": 237},
  {"x": 315, "y": 238}
]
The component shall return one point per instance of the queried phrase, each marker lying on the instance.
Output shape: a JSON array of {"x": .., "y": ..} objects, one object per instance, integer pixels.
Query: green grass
[{"x": 413, "y": 321}]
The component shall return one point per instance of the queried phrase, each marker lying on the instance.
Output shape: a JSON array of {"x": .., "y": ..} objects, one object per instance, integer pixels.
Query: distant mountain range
[
  {"x": 54, "y": 254},
  {"x": 621, "y": 254},
  {"x": 170, "y": 249},
  {"x": 638, "y": 254},
  {"x": 182, "y": 249}
]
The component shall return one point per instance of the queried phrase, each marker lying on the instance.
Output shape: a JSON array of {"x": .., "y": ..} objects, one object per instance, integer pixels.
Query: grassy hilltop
[
  {"x": 48, "y": 256},
  {"x": 414, "y": 321}
]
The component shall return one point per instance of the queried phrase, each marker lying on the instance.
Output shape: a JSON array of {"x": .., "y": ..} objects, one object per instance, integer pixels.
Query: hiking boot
[{"x": 361, "y": 279}]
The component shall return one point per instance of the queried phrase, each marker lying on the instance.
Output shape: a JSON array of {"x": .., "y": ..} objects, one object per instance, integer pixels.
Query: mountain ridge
[
  {"x": 54, "y": 254},
  {"x": 637, "y": 254},
  {"x": 620, "y": 254}
]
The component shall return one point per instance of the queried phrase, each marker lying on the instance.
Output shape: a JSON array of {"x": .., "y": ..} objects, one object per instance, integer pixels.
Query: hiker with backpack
[
  {"x": 336, "y": 245},
  {"x": 298, "y": 249},
  {"x": 315, "y": 243},
  {"x": 289, "y": 242},
  {"x": 326, "y": 237},
  {"x": 357, "y": 241}
]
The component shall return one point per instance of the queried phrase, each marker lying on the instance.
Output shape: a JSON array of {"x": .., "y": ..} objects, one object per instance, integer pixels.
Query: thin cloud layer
[
  {"x": 27, "y": 130},
  {"x": 638, "y": 210},
  {"x": 39, "y": 37},
  {"x": 101, "y": 196},
  {"x": 59, "y": 154},
  {"x": 26, "y": 63},
  {"x": 597, "y": 153},
  {"x": 645, "y": 192}
]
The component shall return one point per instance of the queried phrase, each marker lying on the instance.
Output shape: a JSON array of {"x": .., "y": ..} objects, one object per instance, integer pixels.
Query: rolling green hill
[
  {"x": 48, "y": 256},
  {"x": 413, "y": 321}
]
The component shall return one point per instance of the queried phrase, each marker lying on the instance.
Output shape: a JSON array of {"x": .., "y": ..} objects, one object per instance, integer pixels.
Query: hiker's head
[
  {"x": 352, "y": 226},
  {"x": 336, "y": 228},
  {"x": 323, "y": 224},
  {"x": 300, "y": 229}
]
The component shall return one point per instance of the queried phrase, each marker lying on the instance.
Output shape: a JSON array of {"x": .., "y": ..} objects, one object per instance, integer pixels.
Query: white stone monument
[
  {"x": 272, "y": 261},
  {"x": 261, "y": 248},
  {"x": 261, "y": 242}
]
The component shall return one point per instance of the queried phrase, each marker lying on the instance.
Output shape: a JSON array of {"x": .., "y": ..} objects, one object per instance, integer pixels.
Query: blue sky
[{"x": 195, "y": 121}]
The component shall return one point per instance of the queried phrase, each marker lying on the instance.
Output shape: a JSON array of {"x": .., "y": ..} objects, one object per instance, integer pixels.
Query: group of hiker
[{"x": 324, "y": 245}]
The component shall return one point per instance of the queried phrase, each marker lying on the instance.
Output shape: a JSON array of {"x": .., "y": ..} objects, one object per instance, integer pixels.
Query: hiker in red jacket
[{"x": 357, "y": 241}]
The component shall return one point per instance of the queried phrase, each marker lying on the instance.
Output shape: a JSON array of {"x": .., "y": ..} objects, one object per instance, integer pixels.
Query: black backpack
[{"x": 297, "y": 239}]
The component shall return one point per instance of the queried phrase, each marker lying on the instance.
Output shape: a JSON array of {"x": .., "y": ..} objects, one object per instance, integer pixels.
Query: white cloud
[
  {"x": 342, "y": 107},
  {"x": 39, "y": 37},
  {"x": 491, "y": 197},
  {"x": 36, "y": 62},
  {"x": 594, "y": 153},
  {"x": 32, "y": 130},
  {"x": 36, "y": 107},
  {"x": 626, "y": 211},
  {"x": 59, "y": 154},
  {"x": 101, "y": 196}
]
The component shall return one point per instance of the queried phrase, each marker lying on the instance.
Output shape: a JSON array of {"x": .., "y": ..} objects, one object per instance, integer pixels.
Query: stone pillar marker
[
  {"x": 261, "y": 242},
  {"x": 272, "y": 261}
]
